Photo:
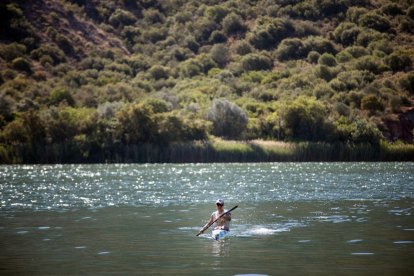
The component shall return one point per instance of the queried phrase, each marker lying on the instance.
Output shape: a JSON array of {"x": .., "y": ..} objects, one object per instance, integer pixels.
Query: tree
[
  {"x": 228, "y": 119},
  {"x": 304, "y": 119},
  {"x": 136, "y": 124}
]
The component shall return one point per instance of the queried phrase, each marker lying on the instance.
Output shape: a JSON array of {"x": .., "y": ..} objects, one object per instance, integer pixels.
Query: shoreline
[{"x": 212, "y": 151}]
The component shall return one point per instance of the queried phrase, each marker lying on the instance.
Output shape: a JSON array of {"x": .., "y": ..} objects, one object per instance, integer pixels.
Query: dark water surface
[{"x": 292, "y": 219}]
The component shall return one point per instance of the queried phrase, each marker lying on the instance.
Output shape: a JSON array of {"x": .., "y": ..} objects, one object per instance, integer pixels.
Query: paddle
[{"x": 199, "y": 233}]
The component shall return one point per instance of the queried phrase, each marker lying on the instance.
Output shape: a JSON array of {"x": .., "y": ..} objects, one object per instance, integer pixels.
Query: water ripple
[{"x": 53, "y": 187}]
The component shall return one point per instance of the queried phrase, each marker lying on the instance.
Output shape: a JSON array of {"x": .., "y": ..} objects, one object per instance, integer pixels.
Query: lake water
[{"x": 292, "y": 219}]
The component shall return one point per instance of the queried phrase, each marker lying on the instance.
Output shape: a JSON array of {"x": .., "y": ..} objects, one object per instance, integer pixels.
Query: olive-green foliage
[
  {"x": 121, "y": 18},
  {"x": 12, "y": 51},
  {"x": 256, "y": 62},
  {"x": 233, "y": 24},
  {"x": 21, "y": 64},
  {"x": 375, "y": 21},
  {"x": 269, "y": 32},
  {"x": 398, "y": 62},
  {"x": 304, "y": 119},
  {"x": 108, "y": 80}
]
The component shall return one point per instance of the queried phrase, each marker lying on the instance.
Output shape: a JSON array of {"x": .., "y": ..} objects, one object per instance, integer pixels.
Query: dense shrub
[
  {"x": 325, "y": 72},
  {"x": 233, "y": 24},
  {"x": 398, "y": 62},
  {"x": 191, "y": 68},
  {"x": 407, "y": 82},
  {"x": 216, "y": 13},
  {"x": 50, "y": 50},
  {"x": 354, "y": 13},
  {"x": 290, "y": 48},
  {"x": 269, "y": 32},
  {"x": 228, "y": 119},
  {"x": 60, "y": 95},
  {"x": 256, "y": 62},
  {"x": 217, "y": 37},
  {"x": 12, "y": 51},
  {"x": 372, "y": 103},
  {"x": 220, "y": 54},
  {"x": 368, "y": 36},
  {"x": 375, "y": 21},
  {"x": 121, "y": 18},
  {"x": 318, "y": 44},
  {"x": 22, "y": 64},
  {"x": 371, "y": 64},
  {"x": 242, "y": 47},
  {"x": 152, "y": 16},
  {"x": 356, "y": 51},
  {"x": 304, "y": 119},
  {"x": 313, "y": 57},
  {"x": 392, "y": 9},
  {"x": 327, "y": 59},
  {"x": 346, "y": 33},
  {"x": 158, "y": 72},
  {"x": 410, "y": 12}
]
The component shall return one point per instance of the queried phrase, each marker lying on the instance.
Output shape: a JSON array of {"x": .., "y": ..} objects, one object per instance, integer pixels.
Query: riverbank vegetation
[{"x": 205, "y": 81}]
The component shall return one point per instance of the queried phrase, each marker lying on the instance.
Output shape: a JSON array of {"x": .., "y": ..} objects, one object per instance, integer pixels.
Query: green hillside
[{"x": 96, "y": 81}]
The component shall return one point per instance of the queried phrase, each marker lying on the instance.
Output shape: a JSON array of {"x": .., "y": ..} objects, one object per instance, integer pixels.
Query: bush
[
  {"x": 60, "y": 95},
  {"x": 256, "y": 62},
  {"x": 217, "y": 37},
  {"x": 304, "y": 119},
  {"x": 346, "y": 33},
  {"x": 371, "y": 64},
  {"x": 356, "y": 51},
  {"x": 190, "y": 68},
  {"x": 354, "y": 14},
  {"x": 158, "y": 72},
  {"x": 153, "y": 16},
  {"x": 290, "y": 48},
  {"x": 228, "y": 119},
  {"x": 318, "y": 44},
  {"x": 327, "y": 59},
  {"x": 50, "y": 50},
  {"x": 121, "y": 18},
  {"x": 375, "y": 21},
  {"x": 368, "y": 36},
  {"x": 398, "y": 62},
  {"x": 407, "y": 26},
  {"x": 325, "y": 72},
  {"x": 217, "y": 13},
  {"x": 220, "y": 54},
  {"x": 410, "y": 12},
  {"x": 392, "y": 9},
  {"x": 363, "y": 131},
  {"x": 242, "y": 47},
  {"x": 64, "y": 44},
  {"x": 371, "y": 103},
  {"x": 233, "y": 24},
  {"x": 313, "y": 57},
  {"x": 269, "y": 32},
  {"x": 22, "y": 64},
  {"x": 407, "y": 82},
  {"x": 137, "y": 124},
  {"x": 12, "y": 51}
]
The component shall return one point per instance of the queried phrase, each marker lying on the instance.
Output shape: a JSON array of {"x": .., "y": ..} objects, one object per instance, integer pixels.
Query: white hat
[{"x": 220, "y": 201}]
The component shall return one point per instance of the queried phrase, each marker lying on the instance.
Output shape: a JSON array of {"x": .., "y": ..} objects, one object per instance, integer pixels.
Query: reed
[{"x": 213, "y": 150}]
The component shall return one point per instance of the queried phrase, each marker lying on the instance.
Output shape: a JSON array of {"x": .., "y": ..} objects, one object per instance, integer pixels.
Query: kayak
[{"x": 219, "y": 234}]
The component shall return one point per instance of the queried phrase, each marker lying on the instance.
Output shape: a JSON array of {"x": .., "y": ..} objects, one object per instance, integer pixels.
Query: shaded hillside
[{"x": 83, "y": 77}]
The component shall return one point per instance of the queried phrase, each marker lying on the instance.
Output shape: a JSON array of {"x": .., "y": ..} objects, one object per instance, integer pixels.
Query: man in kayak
[{"x": 222, "y": 223}]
